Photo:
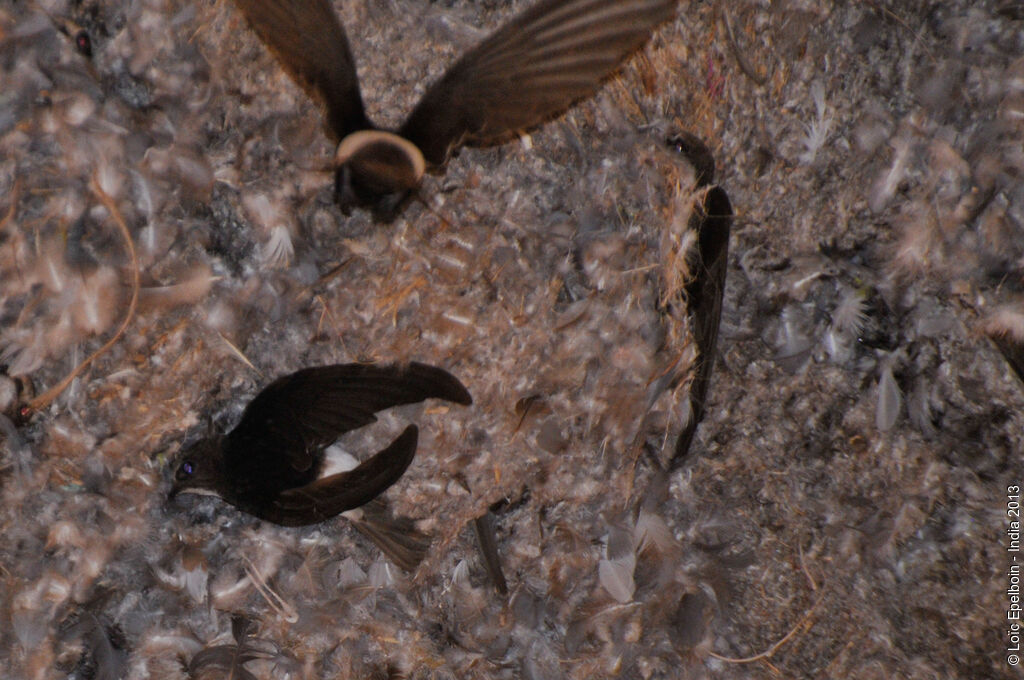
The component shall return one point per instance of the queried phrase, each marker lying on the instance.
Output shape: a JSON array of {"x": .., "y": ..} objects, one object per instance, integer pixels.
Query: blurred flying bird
[
  {"x": 553, "y": 54},
  {"x": 270, "y": 464},
  {"x": 712, "y": 222}
]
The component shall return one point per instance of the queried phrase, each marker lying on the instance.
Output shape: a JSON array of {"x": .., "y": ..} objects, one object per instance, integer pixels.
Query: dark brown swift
[
  {"x": 533, "y": 68},
  {"x": 712, "y": 221},
  {"x": 270, "y": 464}
]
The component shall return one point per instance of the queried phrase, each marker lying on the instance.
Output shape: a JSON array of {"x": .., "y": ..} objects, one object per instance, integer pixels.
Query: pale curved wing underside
[{"x": 332, "y": 495}]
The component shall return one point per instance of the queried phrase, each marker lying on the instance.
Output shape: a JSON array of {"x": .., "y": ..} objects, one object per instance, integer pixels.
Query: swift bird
[
  {"x": 712, "y": 221},
  {"x": 533, "y": 68},
  {"x": 270, "y": 464}
]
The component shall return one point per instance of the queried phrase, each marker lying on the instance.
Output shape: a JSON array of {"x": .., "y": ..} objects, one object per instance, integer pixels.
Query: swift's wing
[
  {"x": 330, "y": 496},
  {"x": 286, "y": 424},
  {"x": 308, "y": 39},
  {"x": 534, "y": 67}
]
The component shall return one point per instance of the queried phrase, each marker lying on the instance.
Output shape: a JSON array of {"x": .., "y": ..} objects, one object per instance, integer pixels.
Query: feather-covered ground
[{"x": 843, "y": 511}]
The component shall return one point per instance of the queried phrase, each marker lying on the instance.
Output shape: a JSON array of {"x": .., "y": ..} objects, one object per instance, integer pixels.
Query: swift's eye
[
  {"x": 84, "y": 43},
  {"x": 187, "y": 468}
]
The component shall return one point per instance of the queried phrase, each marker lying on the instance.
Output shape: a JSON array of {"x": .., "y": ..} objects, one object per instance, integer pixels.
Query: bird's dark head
[
  {"x": 697, "y": 152},
  {"x": 198, "y": 468},
  {"x": 378, "y": 170}
]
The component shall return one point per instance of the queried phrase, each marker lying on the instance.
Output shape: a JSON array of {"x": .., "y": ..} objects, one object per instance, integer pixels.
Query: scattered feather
[
  {"x": 484, "y": 528},
  {"x": 654, "y": 532},
  {"x": 816, "y": 133},
  {"x": 890, "y": 400},
  {"x": 615, "y": 571},
  {"x": 193, "y": 288},
  {"x": 793, "y": 340},
  {"x": 272, "y": 214},
  {"x": 884, "y": 188}
]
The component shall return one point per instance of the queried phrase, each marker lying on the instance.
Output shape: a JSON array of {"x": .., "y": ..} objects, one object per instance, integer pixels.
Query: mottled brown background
[{"x": 846, "y": 493}]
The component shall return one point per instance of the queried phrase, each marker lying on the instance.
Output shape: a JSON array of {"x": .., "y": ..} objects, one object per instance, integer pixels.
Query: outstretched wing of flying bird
[
  {"x": 553, "y": 54},
  {"x": 329, "y": 496},
  {"x": 296, "y": 415},
  {"x": 309, "y": 40}
]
